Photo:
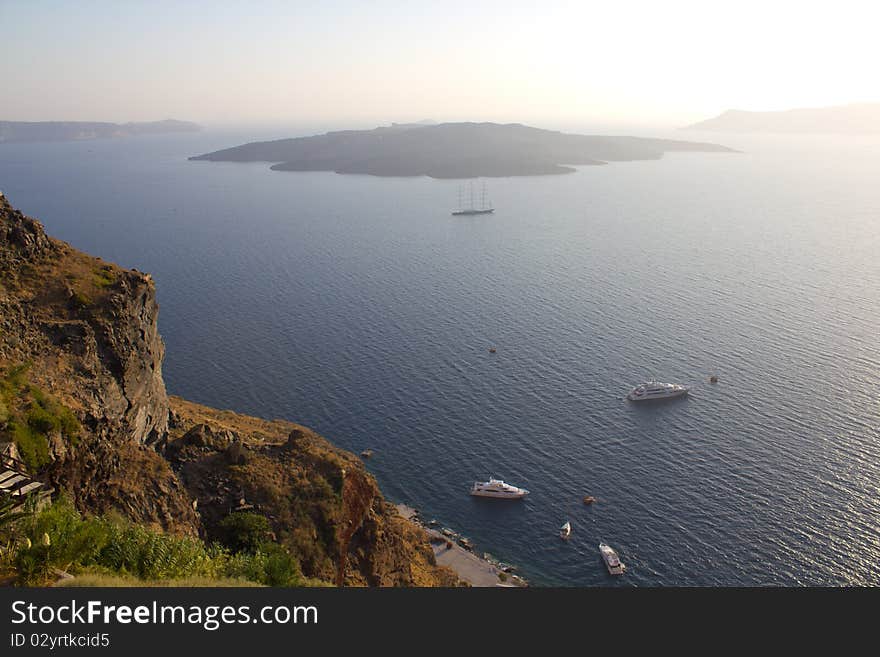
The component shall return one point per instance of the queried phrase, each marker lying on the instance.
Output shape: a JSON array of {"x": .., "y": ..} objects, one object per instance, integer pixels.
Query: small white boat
[
  {"x": 656, "y": 390},
  {"x": 612, "y": 561},
  {"x": 498, "y": 489},
  {"x": 565, "y": 530}
]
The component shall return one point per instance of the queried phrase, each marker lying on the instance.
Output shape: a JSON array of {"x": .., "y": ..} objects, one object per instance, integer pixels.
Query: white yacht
[
  {"x": 565, "y": 530},
  {"x": 656, "y": 390},
  {"x": 612, "y": 562},
  {"x": 497, "y": 488}
]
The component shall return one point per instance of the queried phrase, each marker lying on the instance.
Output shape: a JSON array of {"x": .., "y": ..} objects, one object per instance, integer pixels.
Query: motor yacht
[
  {"x": 656, "y": 390},
  {"x": 612, "y": 561},
  {"x": 497, "y": 488}
]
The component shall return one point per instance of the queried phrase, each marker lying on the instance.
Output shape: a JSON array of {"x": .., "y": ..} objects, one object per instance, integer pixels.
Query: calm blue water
[{"x": 360, "y": 307}]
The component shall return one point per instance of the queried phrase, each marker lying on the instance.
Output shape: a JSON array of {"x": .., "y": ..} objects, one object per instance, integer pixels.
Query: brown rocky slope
[{"x": 82, "y": 334}]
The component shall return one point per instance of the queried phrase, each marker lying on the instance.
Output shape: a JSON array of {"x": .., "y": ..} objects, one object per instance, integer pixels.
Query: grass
[
  {"x": 28, "y": 416},
  {"x": 82, "y": 300},
  {"x": 104, "y": 277},
  {"x": 98, "y": 579},
  {"x": 68, "y": 283},
  {"x": 33, "y": 447}
]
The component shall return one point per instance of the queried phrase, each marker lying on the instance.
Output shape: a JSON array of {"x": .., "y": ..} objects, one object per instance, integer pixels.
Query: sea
[{"x": 360, "y": 307}]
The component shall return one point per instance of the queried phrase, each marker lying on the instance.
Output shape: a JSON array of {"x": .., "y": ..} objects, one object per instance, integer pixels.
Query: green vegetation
[
  {"x": 271, "y": 565},
  {"x": 243, "y": 531},
  {"x": 81, "y": 300},
  {"x": 33, "y": 447},
  {"x": 104, "y": 277},
  {"x": 107, "y": 549},
  {"x": 90, "y": 578},
  {"x": 15, "y": 378},
  {"x": 28, "y": 416}
]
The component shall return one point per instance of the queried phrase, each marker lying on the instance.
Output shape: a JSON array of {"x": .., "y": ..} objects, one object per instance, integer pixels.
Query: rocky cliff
[
  {"x": 83, "y": 396},
  {"x": 320, "y": 500}
]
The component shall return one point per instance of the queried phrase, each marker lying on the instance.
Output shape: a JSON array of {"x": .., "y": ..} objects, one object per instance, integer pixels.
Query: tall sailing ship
[{"x": 485, "y": 206}]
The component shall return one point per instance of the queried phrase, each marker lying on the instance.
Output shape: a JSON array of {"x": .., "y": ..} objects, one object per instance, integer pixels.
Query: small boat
[
  {"x": 713, "y": 379},
  {"x": 589, "y": 499},
  {"x": 612, "y": 561},
  {"x": 367, "y": 453},
  {"x": 656, "y": 390},
  {"x": 497, "y": 488},
  {"x": 491, "y": 350},
  {"x": 565, "y": 530}
]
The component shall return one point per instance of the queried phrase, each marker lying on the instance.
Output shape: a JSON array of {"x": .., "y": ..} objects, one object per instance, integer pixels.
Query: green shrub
[
  {"x": 104, "y": 277},
  {"x": 15, "y": 379},
  {"x": 34, "y": 565},
  {"x": 149, "y": 555},
  {"x": 243, "y": 531},
  {"x": 41, "y": 420},
  {"x": 120, "y": 548},
  {"x": 81, "y": 300},
  {"x": 29, "y": 415},
  {"x": 75, "y": 540},
  {"x": 271, "y": 565},
  {"x": 251, "y": 567},
  {"x": 45, "y": 415},
  {"x": 32, "y": 445},
  {"x": 280, "y": 568}
]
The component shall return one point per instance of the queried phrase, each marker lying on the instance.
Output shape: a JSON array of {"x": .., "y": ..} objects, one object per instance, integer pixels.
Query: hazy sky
[{"x": 666, "y": 61}]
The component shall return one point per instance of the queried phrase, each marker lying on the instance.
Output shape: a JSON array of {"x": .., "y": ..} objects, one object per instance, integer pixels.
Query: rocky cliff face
[
  {"x": 86, "y": 318},
  {"x": 82, "y": 333},
  {"x": 321, "y": 502},
  {"x": 86, "y": 330}
]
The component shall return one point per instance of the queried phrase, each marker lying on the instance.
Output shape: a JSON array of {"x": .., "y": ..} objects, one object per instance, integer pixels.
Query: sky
[{"x": 668, "y": 62}]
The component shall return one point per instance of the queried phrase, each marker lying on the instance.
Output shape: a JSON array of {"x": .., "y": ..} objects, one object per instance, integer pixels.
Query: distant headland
[
  {"x": 451, "y": 150},
  {"x": 27, "y": 131},
  {"x": 862, "y": 118}
]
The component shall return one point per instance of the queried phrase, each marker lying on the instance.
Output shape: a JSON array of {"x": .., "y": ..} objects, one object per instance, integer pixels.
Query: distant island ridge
[
  {"x": 452, "y": 150},
  {"x": 30, "y": 131},
  {"x": 861, "y": 118}
]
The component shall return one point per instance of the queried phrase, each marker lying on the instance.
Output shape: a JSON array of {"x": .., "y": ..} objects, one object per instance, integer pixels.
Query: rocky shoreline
[{"x": 456, "y": 552}]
